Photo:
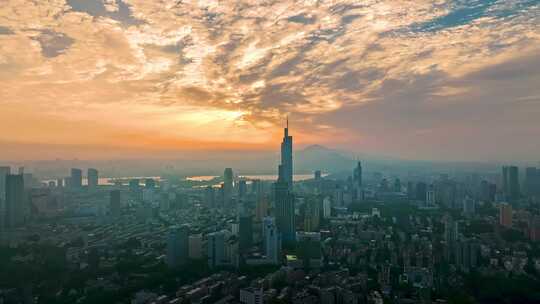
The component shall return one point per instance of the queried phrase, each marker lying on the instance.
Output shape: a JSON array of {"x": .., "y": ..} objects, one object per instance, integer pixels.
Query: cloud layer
[{"x": 417, "y": 79}]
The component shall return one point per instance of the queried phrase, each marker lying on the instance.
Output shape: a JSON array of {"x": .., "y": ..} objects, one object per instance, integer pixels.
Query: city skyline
[{"x": 446, "y": 80}]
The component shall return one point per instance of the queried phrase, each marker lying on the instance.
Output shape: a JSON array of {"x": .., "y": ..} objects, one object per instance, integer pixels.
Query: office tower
[
  {"x": 15, "y": 201},
  {"x": 317, "y": 175},
  {"x": 357, "y": 175},
  {"x": 505, "y": 215},
  {"x": 76, "y": 178},
  {"x": 21, "y": 170},
  {"x": 397, "y": 185},
  {"x": 532, "y": 181},
  {"x": 469, "y": 207},
  {"x": 421, "y": 191},
  {"x": 430, "y": 196},
  {"x": 257, "y": 187},
  {"x": 251, "y": 295},
  {"x": 228, "y": 177},
  {"x": 309, "y": 248},
  {"x": 242, "y": 188},
  {"x": 451, "y": 229},
  {"x": 267, "y": 222},
  {"x": 327, "y": 208},
  {"x": 411, "y": 191},
  {"x": 59, "y": 182},
  {"x": 149, "y": 183},
  {"x": 114, "y": 203},
  {"x": 216, "y": 248},
  {"x": 177, "y": 246},
  {"x": 272, "y": 242},
  {"x": 4, "y": 171},
  {"x": 261, "y": 209},
  {"x": 92, "y": 178},
  {"x": 245, "y": 233},
  {"x": 284, "y": 208},
  {"x": 209, "y": 197},
  {"x": 312, "y": 216},
  {"x": 511, "y": 182},
  {"x": 287, "y": 157},
  {"x": 195, "y": 246},
  {"x": 487, "y": 191}
]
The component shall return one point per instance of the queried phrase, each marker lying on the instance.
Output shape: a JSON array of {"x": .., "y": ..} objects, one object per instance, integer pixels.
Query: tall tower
[
  {"x": 357, "y": 176},
  {"x": 14, "y": 206},
  {"x": 93, "y": 179},
  {"x": 284, "y": 209},
  {"x": 287, "y": 157},
  {"x": 511, "y": 182},
  {"x": 76, "y": 178},
  {"x": 228, "y": 177}
]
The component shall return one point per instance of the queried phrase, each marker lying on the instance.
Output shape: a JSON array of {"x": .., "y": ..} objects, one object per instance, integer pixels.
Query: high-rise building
[
  {"x": 177, "y": 246},
  {"x": 216, "y": 248},
  {"x": 76, "y": 178},
  {"x": 327, "y": 208},
  {"x": 451, "y": 230},
  {"x": 93, "y": 179},
  {"x": 209, "y": 197},
  {"x": 242, "y": 188},
  {"x": 195, "y": 246},
  {"x": 469, "y": 206},
  {"x": 15, "y": 201},
  {"x": 312, "y": 215},
  {"x": 114, "y": 203},
  {"x": 272, "y": 241},
  {"x": 532, "y": 181},
  {"x": 245, "y": 232},
  {"x": 511, "y": 182},
  {"x": 284, "y": 208},
  {"x": 505, "y": 215},
  {"x": 228, "y": 178},
  {"x": 4, "y": 171},
  {"x": 317, "y": 175},
  {"x": 421, "y": 191},
  {"x": 287, "y": 157},
  {"x": 357, "y": 175},
  {"x": 309, "y": 248}
]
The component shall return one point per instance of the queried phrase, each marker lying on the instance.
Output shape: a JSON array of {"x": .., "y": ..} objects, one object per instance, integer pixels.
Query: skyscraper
[
  {"x": 284, "y": 208},
  {"x": 227, "y": 186},
  {"x": 245, "y": 232},
  {"x": 4, "y": 171},
  {"x": 14, "y": 205},
  {"x": 76, "y": 178},
  {"x": 242, "y": 188},
  {"x": 287, "y": 157},
  {"x": 357, "y": 175},
  {"x": 272, "y": 241},
  {"x": 532, "y": 181},
  {"x": 114, "y": 203},
  {"x": 511, "y": 182},
  {"x": 92, "y": 178},
  {"x": 505, "y": 215},
  {"x": 177, "y": 246}
]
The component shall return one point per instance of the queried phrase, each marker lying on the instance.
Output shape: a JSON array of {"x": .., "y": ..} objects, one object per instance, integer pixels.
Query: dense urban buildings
[{"x": 347, "y": 237}]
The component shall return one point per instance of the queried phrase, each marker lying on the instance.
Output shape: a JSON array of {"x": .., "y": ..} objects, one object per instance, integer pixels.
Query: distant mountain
[{"x": 317, "y": 157}]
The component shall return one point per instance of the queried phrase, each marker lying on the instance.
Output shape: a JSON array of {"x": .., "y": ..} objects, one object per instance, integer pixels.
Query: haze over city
[
  {"x": 437, "y": 80},
  {"x": 269, "y": 152}
]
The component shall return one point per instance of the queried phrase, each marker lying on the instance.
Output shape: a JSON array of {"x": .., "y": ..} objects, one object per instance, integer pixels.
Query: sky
[{"x": 437, "y": 80}]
